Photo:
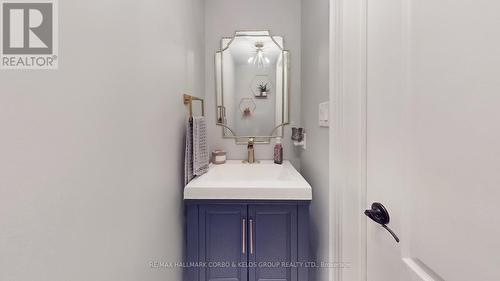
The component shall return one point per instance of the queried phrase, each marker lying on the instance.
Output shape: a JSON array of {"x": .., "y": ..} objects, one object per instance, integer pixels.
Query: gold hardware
[
  {"x": 250, "y": 151},
  {"x": 243, "y": 239},
  {"x": 277, "y": 127},
  {"x": 251, "y": 236},
  {"x": 188, "y": 100},
  {"x": 227, "y": 127}
]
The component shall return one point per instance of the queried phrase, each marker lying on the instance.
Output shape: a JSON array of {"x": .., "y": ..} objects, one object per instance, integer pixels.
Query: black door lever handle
[
  {"x": 378, "y": 213},
  {"x": 391, "y": 232}
]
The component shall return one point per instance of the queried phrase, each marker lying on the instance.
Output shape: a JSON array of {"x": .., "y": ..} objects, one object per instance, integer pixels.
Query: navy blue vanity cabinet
[
  {"x": 247, "y": 241},
  {"x": 274, "y": 231},
  {"x": 222, "y": 230}
]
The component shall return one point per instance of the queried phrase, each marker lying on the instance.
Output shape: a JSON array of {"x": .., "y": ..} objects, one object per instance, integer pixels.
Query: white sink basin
[{"x": 260, "y": 181}]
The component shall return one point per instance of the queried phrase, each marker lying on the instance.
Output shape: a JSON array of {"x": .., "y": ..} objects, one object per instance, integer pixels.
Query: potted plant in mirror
[{"x": 263, "y": 90}]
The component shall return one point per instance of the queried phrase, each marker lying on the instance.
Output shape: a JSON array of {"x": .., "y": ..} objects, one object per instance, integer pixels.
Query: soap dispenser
[{"x": 278, "y": 151}]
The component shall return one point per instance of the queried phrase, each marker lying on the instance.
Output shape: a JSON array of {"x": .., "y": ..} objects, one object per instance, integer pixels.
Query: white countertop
[{"x": 260, "y": 181}]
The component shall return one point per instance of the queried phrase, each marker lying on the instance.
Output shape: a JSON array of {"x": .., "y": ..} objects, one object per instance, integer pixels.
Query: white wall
[
  {"x": 455, "y": 53},
  {"x": 91, "y": 154},
  {"x": 222, "y": 19},
  {"x": 315, "y": 159}
]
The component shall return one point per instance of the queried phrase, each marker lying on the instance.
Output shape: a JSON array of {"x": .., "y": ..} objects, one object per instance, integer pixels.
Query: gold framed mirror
[{"x": 252, "y": 86}]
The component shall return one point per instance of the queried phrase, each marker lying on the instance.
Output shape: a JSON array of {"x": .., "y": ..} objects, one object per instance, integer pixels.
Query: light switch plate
[{"x": 324, "y": 113}]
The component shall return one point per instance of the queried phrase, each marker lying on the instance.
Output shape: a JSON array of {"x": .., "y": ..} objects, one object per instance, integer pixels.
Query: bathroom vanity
[{"x": 248, "y": 222}]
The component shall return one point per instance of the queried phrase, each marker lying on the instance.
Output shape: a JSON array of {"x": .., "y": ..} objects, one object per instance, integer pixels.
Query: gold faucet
[{"x": 251, "y": 155}]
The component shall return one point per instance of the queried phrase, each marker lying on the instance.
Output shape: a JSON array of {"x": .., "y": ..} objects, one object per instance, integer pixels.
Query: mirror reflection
[{"x": 252, "y": 86}]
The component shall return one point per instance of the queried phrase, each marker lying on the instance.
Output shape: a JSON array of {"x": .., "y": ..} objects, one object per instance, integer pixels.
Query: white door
[
  {"x": 387, "y": 142},
  {"x": 433, "y": 139}
]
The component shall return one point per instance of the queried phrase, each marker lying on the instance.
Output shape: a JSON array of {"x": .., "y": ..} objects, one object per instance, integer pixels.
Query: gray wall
[
  {"x": 263, "y": 117},
  {"x": 315, "y": 85},
  {"x": 90, "y": 166},
  {"x": 222, "y": 19}
]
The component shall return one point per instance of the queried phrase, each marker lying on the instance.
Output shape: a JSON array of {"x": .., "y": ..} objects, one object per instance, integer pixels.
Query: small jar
[{"x": 218, "y": 157}]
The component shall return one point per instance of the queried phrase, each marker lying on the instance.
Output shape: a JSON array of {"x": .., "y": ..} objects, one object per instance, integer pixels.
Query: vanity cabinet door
[
  {"x": 222, "y": 236},
  {"x": 272, "y": 239}
]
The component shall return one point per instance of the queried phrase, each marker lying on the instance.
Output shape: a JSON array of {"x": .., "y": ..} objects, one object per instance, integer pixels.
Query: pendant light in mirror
[{"x": 259, "y": 60}]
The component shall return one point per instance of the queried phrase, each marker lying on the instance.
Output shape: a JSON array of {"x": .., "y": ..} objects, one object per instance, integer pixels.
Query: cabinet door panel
[
  {"x": 274, "y": 242},
  {"x": 222, "y": 242}
]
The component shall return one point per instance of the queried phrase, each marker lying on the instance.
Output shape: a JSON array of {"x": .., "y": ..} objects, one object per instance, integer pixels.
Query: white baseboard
[{"x": 419, "y": 271}]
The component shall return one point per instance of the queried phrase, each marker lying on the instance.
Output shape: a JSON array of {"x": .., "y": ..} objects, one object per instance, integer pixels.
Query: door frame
[
  {"x": 348, "y": 139},
  {"x": 348, "y": 94}
]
